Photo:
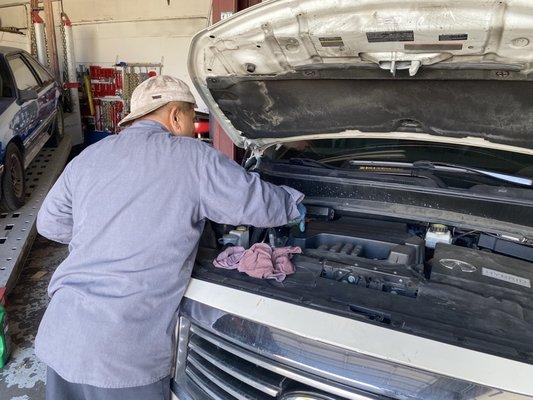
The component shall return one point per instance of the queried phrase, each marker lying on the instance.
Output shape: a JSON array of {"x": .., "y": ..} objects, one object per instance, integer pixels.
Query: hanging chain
[
  {"x": 33, "y": 40},
  {"x": 67, "y": 99},
  {"x": 107, "y": 124},
  {"x": 48, "y": 62},
  {"x": 131, "y": 81},
  {"x": 33, "y": 36},
  {"x": 133, "y": 77}
]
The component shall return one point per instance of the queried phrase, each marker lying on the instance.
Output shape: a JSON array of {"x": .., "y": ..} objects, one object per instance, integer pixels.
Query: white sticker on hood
[{"x": 502, "y": 276}]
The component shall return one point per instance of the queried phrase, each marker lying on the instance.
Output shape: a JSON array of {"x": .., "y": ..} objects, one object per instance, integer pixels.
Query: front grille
[
  {"x": 223, "y": 356},
  {"x": 226, "y": 371}
]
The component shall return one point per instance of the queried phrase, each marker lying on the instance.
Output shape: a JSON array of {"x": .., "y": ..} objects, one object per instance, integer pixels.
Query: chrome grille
[
  {"x": 226, "y": 371},
  {"x": 223, "y": 356}
]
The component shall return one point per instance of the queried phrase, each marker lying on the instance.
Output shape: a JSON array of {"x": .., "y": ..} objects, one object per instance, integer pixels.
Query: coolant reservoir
[
  {"x": 239, "y": 236},
  {"x": 437, "y": 233}
]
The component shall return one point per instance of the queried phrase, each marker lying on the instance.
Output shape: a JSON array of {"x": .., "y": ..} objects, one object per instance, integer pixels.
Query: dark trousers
[{"x": 59, "y": 389}]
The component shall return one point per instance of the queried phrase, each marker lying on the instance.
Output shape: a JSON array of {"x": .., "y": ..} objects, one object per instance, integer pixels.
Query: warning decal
[{"x": 390, "y": 36}]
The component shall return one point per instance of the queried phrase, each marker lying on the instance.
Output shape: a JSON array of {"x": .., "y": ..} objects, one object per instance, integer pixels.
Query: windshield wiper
[
  {"x": 447, "y": 167},
  {"x": 309, "y": 162}
]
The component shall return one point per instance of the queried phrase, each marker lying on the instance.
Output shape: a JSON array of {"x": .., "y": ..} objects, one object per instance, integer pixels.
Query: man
[{"x": 132, "y": 209}]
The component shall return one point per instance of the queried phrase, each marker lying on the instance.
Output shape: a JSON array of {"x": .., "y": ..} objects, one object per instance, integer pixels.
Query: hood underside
[{"x": 454, "y": 69}]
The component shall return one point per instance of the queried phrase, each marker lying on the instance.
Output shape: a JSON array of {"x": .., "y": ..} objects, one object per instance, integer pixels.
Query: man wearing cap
[{"x": 132, "y": 208}]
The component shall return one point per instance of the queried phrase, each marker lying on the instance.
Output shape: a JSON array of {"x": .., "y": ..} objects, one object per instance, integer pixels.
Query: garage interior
[
  {"x": 418, "y": 193},
  {"x": 109, "y": 40}
]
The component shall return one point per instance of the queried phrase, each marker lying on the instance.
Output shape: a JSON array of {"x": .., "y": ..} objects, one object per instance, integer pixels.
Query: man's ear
[{"x": 175, "y": 119}]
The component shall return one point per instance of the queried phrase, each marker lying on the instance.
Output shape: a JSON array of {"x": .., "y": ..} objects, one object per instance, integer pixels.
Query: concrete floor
[{"x": 24, "y": 376}]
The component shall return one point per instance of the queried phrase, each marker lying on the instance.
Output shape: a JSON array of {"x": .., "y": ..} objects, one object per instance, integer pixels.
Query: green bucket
[{"x": 5, "y": 344}]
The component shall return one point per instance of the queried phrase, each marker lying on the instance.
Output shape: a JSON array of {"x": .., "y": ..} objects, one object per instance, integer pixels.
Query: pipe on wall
[
  {"x": 118, "y": 21},
  {"x": 40, "y": 41}
]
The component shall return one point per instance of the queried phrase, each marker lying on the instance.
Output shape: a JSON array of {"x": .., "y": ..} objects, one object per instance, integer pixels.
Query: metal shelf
[{"x": 17, "y": 229}]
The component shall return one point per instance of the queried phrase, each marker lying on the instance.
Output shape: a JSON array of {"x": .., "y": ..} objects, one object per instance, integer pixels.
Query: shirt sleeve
[
  {"x": 54, "y": 220},
  {"x": 231, "y": 195}
]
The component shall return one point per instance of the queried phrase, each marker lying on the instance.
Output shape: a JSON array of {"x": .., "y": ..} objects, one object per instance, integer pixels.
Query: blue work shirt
[{"x": 132, "y": 208}]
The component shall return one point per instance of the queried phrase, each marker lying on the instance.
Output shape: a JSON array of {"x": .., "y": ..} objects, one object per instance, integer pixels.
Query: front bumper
[{"x": 225, "y": 357}]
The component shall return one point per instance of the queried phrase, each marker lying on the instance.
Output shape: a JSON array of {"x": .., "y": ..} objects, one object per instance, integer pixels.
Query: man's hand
[{"x": 300, "y": 221}]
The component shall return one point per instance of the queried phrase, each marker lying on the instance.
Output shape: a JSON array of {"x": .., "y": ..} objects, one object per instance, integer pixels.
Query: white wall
[
  {"x": 137, "y": 31},
  {"x": 15, "y": 40},
  {"x": 14, "y": 16},
  {"x": 129, "y": 30}
]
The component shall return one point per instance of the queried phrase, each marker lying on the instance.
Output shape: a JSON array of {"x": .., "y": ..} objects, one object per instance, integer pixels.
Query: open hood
[{"x": 455, "y": 70}]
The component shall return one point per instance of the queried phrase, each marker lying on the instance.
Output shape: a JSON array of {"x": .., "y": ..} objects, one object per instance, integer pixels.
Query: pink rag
[{"x": 259, "y": 261}]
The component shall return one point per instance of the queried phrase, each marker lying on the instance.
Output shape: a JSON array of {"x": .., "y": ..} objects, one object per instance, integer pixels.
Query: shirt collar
[{"x": 148, "y": 123}]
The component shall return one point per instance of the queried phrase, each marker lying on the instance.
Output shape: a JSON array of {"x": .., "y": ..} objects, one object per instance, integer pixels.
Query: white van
[{"x": 408, "y": 125}]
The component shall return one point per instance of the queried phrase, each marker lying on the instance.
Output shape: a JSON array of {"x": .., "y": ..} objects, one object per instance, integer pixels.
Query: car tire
[
  {"x": 57, "y": 129},
  {"x": 13, "y": 180}
]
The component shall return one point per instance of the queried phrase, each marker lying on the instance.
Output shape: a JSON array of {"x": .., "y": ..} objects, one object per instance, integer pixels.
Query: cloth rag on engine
[{"x": 259, "y": 261}]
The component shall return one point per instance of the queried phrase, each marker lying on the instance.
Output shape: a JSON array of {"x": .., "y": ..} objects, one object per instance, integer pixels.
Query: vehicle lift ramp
[{"x": 17, "y": 228}]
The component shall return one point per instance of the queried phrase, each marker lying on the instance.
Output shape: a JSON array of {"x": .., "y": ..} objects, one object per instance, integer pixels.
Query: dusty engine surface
[
  {"x": 390, "y": 257},
  {"x": 482, "y": 272},
  {"x": 355, "y": 252},
  {"x": 449, "y": 288}
]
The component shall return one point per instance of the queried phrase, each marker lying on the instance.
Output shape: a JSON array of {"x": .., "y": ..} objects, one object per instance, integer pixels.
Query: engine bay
[{"x": 467, "y": 288}]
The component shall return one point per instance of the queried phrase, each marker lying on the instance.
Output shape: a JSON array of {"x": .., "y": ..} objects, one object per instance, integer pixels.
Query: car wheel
[
  {"x": 57, "y": 129},
  {"x": 13, "y": 181}
]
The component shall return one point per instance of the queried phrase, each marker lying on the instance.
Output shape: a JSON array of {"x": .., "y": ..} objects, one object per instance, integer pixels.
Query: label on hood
[
  {"x": 433, "y": 47},
  {"x": 335, "y": 41},
  {"x": 390, "y": 36},
  {"x": 502, "y": 276},
  {"x": 453, "y": 36}
]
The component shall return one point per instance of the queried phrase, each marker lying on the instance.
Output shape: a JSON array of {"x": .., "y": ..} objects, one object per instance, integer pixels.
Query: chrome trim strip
[
  {"x": 198, "y": 381},
  {"x": 205, "y": 371},
  {"x": 254, "y": 381},
  {"x": 301, "y": 377},
  {"x": 181, "y": 353}
]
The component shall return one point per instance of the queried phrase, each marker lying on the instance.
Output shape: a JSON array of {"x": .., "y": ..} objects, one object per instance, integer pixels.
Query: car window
[
  {"x": 44, "y": 75},
  {"x": 6, "y": 85},
  {"x": 24, "y": 78}
]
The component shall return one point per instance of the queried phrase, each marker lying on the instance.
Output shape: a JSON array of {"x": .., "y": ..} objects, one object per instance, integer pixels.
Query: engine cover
[
  {"x": 482, "y": 272},
  {"x": 353, "y": 253}
]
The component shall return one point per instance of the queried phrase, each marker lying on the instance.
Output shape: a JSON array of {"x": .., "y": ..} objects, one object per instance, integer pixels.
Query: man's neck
[{"x": 156, "y": 119}]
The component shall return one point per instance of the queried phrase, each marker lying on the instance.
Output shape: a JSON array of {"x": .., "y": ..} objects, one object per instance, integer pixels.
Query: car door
[
  {"x": 48, "y": 93},
  {"x": 28, "y": 124},
  {"x": 35, "y": 114}
]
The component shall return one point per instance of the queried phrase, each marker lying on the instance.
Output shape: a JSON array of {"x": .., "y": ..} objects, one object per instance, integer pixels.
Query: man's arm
[
  {"x": 230, "y": 195},
  {"x": 54, "y": 220}
]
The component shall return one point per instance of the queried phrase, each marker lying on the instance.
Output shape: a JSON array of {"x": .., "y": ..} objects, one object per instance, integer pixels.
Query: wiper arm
[
  {"x": 447, "y": 167},
  {"x": 518, "y": 180},
  {"x": 309, "y": 162}
]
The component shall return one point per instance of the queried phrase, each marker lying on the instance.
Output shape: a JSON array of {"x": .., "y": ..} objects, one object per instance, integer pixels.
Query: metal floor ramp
[{"x": 17, "y": 228}]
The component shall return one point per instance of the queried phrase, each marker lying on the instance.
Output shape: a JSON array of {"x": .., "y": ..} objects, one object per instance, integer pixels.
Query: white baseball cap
[{"x": 154, "y": 93}]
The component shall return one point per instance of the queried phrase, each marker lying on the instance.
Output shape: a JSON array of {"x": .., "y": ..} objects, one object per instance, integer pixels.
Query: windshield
[{"x": 355, "y": 155}]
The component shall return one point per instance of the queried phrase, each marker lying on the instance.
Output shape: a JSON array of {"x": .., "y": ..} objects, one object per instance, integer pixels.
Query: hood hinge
[{"x": 254, "y": 159}]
